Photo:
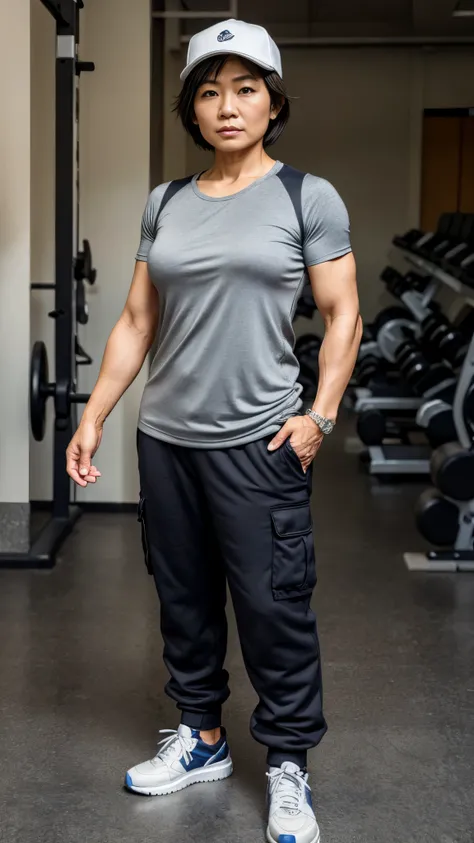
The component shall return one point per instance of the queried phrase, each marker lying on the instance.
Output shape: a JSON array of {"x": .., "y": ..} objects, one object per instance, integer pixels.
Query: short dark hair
[{"x": 210, "y": 69}]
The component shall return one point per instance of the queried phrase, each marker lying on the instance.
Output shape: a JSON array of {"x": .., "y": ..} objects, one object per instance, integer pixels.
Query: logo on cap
[{"x": 225, "y": 35}]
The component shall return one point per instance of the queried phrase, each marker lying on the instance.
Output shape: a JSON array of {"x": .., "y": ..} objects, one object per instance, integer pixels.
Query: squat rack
[{"x": 64, "y": 514}]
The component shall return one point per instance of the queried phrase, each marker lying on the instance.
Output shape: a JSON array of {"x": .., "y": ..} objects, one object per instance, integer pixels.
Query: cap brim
[{"x": 187, "y": 70}]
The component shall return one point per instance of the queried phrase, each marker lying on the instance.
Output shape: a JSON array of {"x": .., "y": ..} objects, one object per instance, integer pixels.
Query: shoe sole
[
  {"x": 212, "y": 773},
  {"x": 271, "y": 839}
]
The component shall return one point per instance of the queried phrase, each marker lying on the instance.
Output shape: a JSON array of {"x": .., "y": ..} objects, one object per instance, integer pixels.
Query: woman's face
[{"x": 234, "y": 110}]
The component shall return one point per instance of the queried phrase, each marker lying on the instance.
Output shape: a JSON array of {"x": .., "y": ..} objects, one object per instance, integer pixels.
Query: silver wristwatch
[{"x": 326, "y": 425}]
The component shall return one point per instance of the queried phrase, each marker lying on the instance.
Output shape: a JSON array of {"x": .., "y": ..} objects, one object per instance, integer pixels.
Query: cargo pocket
[
  {"x": 142, "y": 519},
  {"x": 293, "y": 561}
]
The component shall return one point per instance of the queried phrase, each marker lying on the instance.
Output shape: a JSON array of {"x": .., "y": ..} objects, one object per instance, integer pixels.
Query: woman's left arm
[{"x": 334, "y": 288}]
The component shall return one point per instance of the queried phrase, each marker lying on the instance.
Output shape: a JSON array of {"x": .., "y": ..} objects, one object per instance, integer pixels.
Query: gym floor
[{"x": 81, "y": 680}]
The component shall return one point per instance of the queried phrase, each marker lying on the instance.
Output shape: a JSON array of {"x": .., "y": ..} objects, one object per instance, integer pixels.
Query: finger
[
  {"x": 74, "y": 475},
  {"x": 280, "y": 437},
  {"x": 85, "y": 465},
  {"x": 72, "y": 469}
]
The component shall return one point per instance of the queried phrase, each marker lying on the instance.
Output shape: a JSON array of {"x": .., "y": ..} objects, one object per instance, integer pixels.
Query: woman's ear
[{"x": 275, "y": 109}]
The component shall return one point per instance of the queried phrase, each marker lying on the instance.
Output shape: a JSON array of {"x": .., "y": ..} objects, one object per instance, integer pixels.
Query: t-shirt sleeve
[
  {"x": 149, "y": 222},
  {"x": 326, "y": 222}
]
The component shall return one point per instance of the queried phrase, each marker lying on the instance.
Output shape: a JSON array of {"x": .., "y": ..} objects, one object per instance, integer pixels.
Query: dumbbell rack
[
  {"x": 439, "y": 274},
  {"x": 461, "y": 557},
  {"x": 390, "y": 459}
]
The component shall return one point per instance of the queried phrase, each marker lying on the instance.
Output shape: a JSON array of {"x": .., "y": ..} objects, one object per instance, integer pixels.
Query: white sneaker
[
  {"x": 290, "y": 811},
  {"x": 184, "y": 759}
]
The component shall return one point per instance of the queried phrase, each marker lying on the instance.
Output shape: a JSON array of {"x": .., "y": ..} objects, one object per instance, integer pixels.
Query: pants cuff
[
  {"x": 204, "y": 722},
  {"x": 276, "y": 757}
]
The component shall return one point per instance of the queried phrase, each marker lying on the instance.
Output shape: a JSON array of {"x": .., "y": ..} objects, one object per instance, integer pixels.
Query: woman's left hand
[{"x": 305, "y": 438}]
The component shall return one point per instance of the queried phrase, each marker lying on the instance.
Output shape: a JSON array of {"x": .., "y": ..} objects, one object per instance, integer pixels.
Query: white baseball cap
[{"x": 234, "y": 36}]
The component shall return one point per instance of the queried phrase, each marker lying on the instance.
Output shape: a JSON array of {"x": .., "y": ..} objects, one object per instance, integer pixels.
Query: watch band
[{"x": 324, "y": 424}]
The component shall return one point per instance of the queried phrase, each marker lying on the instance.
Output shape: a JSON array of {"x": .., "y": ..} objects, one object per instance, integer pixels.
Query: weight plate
[{"x": 39, "y": 376}]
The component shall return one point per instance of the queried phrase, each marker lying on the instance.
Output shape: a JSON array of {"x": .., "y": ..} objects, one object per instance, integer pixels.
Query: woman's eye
[
  {"x": 208, "y": 93},
  {"x": 247, "y": 90}
]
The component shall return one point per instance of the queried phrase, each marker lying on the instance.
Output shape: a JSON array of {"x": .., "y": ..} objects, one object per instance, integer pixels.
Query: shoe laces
[
  {"x": 175, "y": 746},
  {"x": 287, "y": 787}
]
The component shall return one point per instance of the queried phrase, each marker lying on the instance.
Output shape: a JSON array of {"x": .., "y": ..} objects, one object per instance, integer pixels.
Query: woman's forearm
[
  {"x": 337, "y": 358},
  {"x": 125, "y": 352}
]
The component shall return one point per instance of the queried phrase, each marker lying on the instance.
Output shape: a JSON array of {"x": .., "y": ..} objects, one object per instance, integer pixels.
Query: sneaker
[
  {"x": 183, "y": 759},
  {"x": 290, "y": 811}
]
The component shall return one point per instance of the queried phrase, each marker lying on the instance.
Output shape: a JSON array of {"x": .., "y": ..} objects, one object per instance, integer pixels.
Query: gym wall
[
  {"x": 14, "y": 272},
  {"x": 43, "y": 52}
]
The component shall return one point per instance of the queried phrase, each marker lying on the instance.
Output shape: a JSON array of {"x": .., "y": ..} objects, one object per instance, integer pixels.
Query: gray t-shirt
[{"x": 229, "y": 271}]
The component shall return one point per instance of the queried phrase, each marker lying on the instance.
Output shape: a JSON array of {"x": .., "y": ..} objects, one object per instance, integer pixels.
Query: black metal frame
[{"x": 64, "y": 515}]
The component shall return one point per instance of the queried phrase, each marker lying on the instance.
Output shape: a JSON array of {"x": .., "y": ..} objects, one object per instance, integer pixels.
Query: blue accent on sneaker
[
  {"x": 204, "y": 753},
  {"x": 128, "y": 780},
  {"x": 309, "y": 798},
  {"x": 287, "y": 838},
  {"x": 221, "y": 754}
]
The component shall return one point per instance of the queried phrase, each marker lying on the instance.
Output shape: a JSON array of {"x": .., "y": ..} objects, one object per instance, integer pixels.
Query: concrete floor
[{"x": 81, "y": 679}]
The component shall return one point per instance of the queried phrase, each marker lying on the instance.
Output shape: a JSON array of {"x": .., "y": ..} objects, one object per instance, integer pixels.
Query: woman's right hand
[{"x": 80, "y": 451}]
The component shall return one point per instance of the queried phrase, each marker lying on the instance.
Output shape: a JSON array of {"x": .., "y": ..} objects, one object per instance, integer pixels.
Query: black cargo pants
[{"x": 240, "y": 515}]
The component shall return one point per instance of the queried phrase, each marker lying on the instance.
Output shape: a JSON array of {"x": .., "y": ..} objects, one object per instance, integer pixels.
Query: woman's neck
[{"x": 231, "y": 167}]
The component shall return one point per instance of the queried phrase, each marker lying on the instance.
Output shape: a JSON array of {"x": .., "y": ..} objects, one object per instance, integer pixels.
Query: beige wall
[
  {"x": 115, "y": 128},
  {"x": 43, "y": 51},
  {"x": 357, "y": 122},
  {"x": 14, "y": 249}
]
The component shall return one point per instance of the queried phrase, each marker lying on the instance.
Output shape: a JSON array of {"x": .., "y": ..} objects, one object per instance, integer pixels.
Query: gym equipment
[
  {"x": 41, "y": 390},
  {"x": 437, "y": 518},
  {"x": 452, "y": 471},
  {"x": 306, "y": 350},
  {"x": 445, "y": 513},
  {"x": 83, "y": 270},
  {"x": 64, "y": 514}
]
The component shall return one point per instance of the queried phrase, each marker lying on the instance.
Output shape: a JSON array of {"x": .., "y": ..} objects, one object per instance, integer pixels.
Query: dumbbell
[
  {"x": 451, "y": 346},
  {"x": 437, "y": 518},
  {"x": 452, "y": 471},
  {"x": 389, "y": 314},
  {"x": 373, "y": 427},
  {"x": 406, "y": 353},
  {"x": 441, "y": 428},
  {"x": 394, "y": 281},
  {"x": 369, "y": 368}
]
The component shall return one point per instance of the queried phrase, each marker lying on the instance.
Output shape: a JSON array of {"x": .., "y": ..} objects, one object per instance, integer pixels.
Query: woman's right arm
[{"x": 125, "y": 352}]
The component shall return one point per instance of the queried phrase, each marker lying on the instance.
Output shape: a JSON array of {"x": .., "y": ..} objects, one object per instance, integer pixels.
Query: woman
[{"x": 225, "y": 456}]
